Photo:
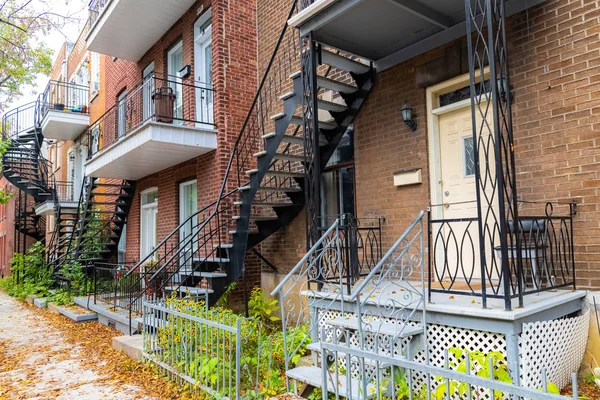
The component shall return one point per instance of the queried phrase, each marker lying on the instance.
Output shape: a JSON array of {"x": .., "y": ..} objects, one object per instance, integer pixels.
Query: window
[
  {"x": 95, "y": 145},
  {"x": 95, "y": 78},
  {"x": 468, "y": 156},
  {"x": 122, "y": 247},
  {"x": 337, "y": 181},
  {"x": 122, "y": 114},
  {"x": 175, "y": 64},
  {"x": 148, "y": 226}
]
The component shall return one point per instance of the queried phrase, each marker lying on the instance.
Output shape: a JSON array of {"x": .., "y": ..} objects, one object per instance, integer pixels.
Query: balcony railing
[
  {"x": 96, "y": 7},
  {"x": 65, "y": 191},
  {"x": 167, "y": 100},
  {"x": 305, "y": 3},
  {"x": 540, "y": 251},
  {"x": 64, "y": 97}
]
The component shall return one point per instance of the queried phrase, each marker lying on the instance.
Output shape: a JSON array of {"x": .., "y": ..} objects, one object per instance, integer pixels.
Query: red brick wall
[
  {"x": 234, "y": 81},
  {"x": 555, "y": 61}
]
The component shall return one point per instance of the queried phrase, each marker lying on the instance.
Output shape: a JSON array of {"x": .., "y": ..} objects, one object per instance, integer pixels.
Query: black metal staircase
[
  {"x": 24, "y": 166},
  {"x": 264, "y": 187},
  {"x": 93, "y": 234}
]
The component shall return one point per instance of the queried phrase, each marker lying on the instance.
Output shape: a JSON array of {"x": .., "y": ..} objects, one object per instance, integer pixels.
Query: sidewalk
[{"x": 40, "y": 361}]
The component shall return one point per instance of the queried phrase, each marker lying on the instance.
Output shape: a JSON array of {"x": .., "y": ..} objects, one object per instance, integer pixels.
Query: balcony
[
  {"x": 64, "y": 110},
  {"x": 64, "y": 197},
  {"x": 163, "y": 122},
  {"x": 128, "y": 28},
  {"x": 387, "y": 32}
]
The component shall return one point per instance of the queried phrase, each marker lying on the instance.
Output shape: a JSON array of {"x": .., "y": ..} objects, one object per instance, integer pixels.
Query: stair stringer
[{"x": 240, "y": 237}]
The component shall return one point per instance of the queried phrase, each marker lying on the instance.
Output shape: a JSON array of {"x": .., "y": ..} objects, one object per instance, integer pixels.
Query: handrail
[
  {"x": 176, "y": 230},
  {"x": 254, "y": 102},
  {"x": 387, "y": 255},
  {"x": 306, "y": 256}
]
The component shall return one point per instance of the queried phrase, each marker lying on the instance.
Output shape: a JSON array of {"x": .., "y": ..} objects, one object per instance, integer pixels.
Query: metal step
[
  {"x": 334, "y": 85},
  {"x": 188, "y": 289},
  {"x": 272, "y": 205},
  {"x": 313, "y": 376},
  {"x": 341, "y": 62},
  {"x": 264, "y": 219},
  {"x": 286, "y": 138},
  {"x": 212, "y": 275},
  {"x": 331, "y": 106},
  {"x": 285, "y": 174},
  {"x": 383, "y": 328},
  {"x": 289, "y": 157},
  {"x": 211, "y": 259},
  {"x": 279, "y": 189},
  {"x": 286, "y": 96},
  {"x": 298, "y": 120}
]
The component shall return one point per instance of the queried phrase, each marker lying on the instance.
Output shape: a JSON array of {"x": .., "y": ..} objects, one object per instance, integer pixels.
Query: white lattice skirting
[{"x": 558, "y": 346}]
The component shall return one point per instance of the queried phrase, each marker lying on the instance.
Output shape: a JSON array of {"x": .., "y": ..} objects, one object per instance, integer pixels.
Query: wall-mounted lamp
[
  {"x": 185, "y": 72},
  {"x": 407, "y": 117},
  {"x": 503, "y": 88}
]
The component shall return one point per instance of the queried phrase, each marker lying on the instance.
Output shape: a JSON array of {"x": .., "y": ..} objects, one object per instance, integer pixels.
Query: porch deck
[{"x": 539, "y": 306}]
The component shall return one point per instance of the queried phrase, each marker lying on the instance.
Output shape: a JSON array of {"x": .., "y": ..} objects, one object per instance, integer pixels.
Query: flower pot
[
  {"x": 164, "y": 104},
  {"x": 59, "y": 106}
]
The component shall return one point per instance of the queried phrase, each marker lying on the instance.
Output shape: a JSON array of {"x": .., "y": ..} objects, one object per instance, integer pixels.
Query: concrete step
[
  {"x": 130, "y": 345},
  {"x": 346, "y": 387}
]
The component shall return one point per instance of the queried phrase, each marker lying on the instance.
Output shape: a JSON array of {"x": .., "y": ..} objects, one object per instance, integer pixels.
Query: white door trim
[{"x": 433, "y": 138}]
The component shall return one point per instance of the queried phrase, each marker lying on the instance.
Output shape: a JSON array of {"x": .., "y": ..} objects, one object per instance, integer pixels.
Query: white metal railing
[
  {"x": 463, "y": 376},
  {"x": 216, "y": 351}
]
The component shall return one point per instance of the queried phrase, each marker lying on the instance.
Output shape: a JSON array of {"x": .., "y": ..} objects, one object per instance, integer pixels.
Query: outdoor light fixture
[
  {"x": 185, "y": 72},
  {"x": 503, "y": 87},
  {"x": 407, "y": 117}
]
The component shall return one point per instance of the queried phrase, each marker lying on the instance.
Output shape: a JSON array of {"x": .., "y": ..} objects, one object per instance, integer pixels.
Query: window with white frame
[{"x": 95, "y": 78}]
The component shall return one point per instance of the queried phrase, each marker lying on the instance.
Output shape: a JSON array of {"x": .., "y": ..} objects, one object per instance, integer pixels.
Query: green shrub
[{"x": 29, "y": 274}]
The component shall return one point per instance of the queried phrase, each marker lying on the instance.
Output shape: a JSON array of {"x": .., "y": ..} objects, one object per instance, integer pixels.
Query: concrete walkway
[{"x": 37, "y": 363}]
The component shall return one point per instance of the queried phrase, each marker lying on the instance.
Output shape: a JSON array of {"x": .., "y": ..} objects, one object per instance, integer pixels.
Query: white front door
[
  {"x": 188, "y": 206},
  {"x": 203, "y": 70},
  {"x": 147, "y": 92},
  {"x": 460, "y": 258},
  {"x": 148, "y": 225},
  {"x": 175, "y": 64}
]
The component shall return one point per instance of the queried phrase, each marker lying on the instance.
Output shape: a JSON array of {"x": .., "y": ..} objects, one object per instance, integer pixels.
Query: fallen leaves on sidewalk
[{"x": 98, "y": 355}]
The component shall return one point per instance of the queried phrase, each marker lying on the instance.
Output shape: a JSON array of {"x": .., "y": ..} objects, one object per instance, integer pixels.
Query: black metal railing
[
  {"x": 19, "y": 120},
  {"x": 64, "y": 97},
  {"x": 541, "y": 253},
  {"x": 96, "y": 7},
  {"x": 109, "y": 284},
  {"x": 167, "y": 100},
  {"x": 361, "y": 248},
  {"x": 302, "y": 4},
  {"x": 198, "y": 238}
]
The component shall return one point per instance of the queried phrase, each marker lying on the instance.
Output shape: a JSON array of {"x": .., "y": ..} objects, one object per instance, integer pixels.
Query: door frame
[
  {"x": 204, "y": 18},
  {"x": 434, "y": 111},
  {"x": 147, "y": 102},
  {"x": 142, "y": 207}
]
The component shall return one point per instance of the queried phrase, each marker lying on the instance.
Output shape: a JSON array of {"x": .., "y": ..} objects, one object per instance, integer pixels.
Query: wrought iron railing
[
  {"x": 109, "y": 284},
  {"x": 19, "y": 120},
  {"x": 304, "y": 4},
  {"x": 64, "y": 97},
  {"x": 96, "y": 7},
  {"x": 540, "y": 252},
  {"x": 360, "y": 247},
  {"x": 201, "y": 234},
  {"x": 159, "y": 99}
]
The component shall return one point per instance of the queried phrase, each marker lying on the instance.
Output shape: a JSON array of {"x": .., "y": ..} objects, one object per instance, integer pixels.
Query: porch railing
[
  {"x": 110, "y": 285},
  {"x": 163, "y": 99},
  {"x": 541, "y": 253},
  {"x": 360, "y": 247},
  {"x": 64, "y": 97}
]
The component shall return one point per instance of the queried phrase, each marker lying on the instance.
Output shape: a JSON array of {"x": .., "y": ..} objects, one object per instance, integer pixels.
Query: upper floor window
[{"x": 95, "y": 78}]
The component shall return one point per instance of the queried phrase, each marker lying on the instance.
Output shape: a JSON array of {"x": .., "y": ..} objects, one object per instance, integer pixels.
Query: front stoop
[
  {"x": 40, "y": 303},
  {"x": 107, "y": 315},
  {"x": 84, "y": 316},
  {"x": 130, "y": 345}
]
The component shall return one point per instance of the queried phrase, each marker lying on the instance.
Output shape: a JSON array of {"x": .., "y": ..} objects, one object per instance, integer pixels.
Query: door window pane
[
  {"x": 175, "y": 65},
  {"x": 469, "y": 156}
]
